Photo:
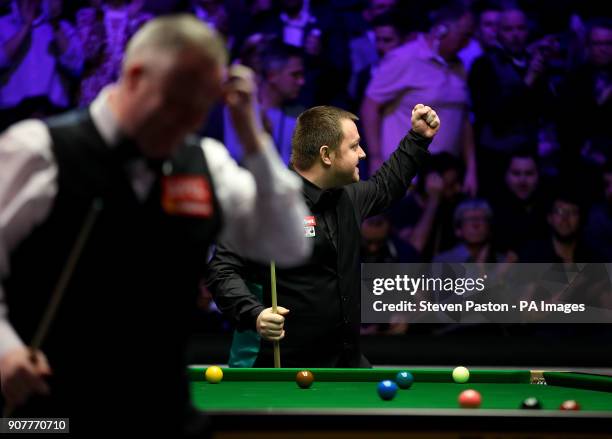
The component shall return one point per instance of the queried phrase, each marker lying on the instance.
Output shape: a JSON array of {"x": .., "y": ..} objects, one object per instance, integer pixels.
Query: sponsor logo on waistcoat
[{"x": 187, "y": 195}]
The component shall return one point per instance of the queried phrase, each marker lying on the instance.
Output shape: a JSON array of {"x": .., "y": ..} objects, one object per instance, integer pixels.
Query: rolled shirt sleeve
[{"x": 28, "y": 184}]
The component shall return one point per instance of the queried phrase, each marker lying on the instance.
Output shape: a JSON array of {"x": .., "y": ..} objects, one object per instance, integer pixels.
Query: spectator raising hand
[{"x": 42, "y": 54}]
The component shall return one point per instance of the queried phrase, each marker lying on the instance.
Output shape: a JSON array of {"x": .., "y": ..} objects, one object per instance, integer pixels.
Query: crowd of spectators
[{"x": 521, "y": 169}]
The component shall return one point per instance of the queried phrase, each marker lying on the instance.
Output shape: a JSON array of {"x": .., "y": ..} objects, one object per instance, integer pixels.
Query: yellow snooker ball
[
  {"x": 461, "y": 375},
  {"x": 214, "y": 374}
]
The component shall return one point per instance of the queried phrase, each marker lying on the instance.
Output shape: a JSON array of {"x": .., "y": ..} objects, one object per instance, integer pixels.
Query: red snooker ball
[
  {"x": 304, "y": 379},
  {"x": 570, "y": 404},
  {"x": 470, "y": 399}
]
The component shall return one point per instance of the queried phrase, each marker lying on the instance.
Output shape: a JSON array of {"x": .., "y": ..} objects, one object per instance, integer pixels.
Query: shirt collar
[
  {"x": 108, "y": 126},
  {"x": 104, "y": 119},
  {"x": 317, "y": 197},
  {"x": 426, "y": 52}
]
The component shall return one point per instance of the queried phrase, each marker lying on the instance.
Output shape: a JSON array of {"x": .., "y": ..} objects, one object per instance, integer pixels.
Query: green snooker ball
[
  {"x": 461, "y": 374},
  {"x": 404, "y": 379},
  {"x": 214, "y": 374}
]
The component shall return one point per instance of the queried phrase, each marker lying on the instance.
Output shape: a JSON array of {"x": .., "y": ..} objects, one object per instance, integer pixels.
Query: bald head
[
  {"x": 173, "y": 73},
  {"x": 173, "y": 35}
]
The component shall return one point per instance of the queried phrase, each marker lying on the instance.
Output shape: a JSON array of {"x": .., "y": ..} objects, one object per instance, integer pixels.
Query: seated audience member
[
  {"x": 598, "y": 229},
  {"x": 379, "y": 245},
  {"x": 40, "y": 52},
  {"x": 472, "y": 220},
  {"x": 563, "y": 243},
  {"x": 520, "y": 210},
  {"x": 424, "y": 218}
]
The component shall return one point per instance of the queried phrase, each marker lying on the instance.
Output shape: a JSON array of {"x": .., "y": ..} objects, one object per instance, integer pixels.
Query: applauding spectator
[
  {"x": 105, "y": 30},
  {"x": 39, "y": 53}
]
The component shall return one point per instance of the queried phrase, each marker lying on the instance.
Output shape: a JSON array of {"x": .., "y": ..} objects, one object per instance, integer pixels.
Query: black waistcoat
[{"x": 125, "y": 313}]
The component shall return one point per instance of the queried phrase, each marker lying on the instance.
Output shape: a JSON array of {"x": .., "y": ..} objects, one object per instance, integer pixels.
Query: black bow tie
[{"x": 127, "y": 150}]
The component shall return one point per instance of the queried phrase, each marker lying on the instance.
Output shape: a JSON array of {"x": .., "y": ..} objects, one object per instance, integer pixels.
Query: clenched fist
[
  {"x": 425, "y": 121},
  {"x": 240, "y": 94}
]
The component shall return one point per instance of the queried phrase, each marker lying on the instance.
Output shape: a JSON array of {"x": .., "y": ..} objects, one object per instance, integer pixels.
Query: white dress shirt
[{"x": 263, "y": 210}]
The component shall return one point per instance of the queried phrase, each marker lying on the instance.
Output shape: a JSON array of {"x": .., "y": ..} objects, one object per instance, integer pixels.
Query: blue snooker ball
[
  {"x": 387, "y": 389},
  {"x": 404, "y": 379}
]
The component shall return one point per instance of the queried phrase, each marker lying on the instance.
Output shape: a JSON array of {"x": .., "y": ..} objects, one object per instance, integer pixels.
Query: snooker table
[{"x": 344, "y": 403}]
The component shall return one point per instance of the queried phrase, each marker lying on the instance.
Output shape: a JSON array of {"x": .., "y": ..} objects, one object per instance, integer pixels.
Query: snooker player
[
  {"x": 318, "y": 316},
  {"x": 115, "y": 347}
]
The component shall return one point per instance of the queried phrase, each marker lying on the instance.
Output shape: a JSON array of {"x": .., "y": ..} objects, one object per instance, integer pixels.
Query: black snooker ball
[{"x": 531, "y": 403}]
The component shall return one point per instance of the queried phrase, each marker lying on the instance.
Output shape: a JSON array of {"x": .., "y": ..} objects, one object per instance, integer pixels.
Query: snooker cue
[
  {"x": 274, "y": 308},
  {"x": 62, "y": 283}
]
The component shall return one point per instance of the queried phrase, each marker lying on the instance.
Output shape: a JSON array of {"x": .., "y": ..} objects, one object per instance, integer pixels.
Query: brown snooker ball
[
  {"x": 570, "y": 404},
  {"x": 304, "y": 379}
]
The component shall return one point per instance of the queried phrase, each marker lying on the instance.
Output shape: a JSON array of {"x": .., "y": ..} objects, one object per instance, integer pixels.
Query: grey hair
[
  {"x": 173, "y": 34},
  {"x": 473, "y": 204}
]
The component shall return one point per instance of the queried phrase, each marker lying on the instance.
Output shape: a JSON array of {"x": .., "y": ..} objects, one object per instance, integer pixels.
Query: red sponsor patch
[
  {"x": 187, "y": 195},
  {"x": 309, "y": 226},
  {"x": 310, "y": 221}
]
